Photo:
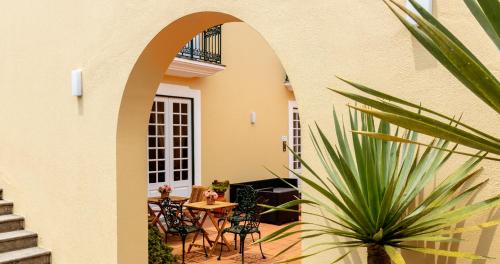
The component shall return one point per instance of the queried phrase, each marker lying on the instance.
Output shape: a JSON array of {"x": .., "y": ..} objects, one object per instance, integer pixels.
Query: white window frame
[
  {"x": 291, "y": 106},
  {"x": 174, "y": 90}
]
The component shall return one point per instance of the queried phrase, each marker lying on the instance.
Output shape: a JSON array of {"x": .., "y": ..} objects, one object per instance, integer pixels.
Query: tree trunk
[{"x": 377, "y": 255}]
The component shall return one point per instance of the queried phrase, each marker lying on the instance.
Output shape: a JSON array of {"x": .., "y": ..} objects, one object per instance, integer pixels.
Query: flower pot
[
  {"x": 165, "y": 195},
  {"x": 220, "y": 198},
  {"x": 210, "y": 200}
]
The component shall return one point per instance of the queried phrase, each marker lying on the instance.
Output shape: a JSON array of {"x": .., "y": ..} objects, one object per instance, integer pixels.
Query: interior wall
[{"x": 232, "y": 148}]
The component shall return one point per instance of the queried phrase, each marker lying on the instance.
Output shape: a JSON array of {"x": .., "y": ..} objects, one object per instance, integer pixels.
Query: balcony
[{"x": 200, "y": 57}]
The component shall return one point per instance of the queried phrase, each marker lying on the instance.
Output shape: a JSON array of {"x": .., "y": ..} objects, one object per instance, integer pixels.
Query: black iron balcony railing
[{"x": 205, "y": 46}]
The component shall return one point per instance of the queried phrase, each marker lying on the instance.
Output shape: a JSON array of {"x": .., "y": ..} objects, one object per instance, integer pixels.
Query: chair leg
[
  {"x": 253, "y": 240},
  {"x": 235, "y": 241},
  {"x": 183, "y": 238},
  {"x": 242, "y": 248},
  {"x": 260, "y": 245},
  {"x": 221, "y": 240}
]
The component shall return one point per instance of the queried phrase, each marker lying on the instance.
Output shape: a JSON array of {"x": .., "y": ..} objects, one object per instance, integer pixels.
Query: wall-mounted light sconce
[
  {"x": 76, "y": 82},
  {"x": 427, "y": 4},
  {"x": 253, "y": 117}
]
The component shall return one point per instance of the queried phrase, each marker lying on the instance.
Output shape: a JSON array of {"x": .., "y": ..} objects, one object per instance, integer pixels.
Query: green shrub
[{"x": 158, "y": 251}]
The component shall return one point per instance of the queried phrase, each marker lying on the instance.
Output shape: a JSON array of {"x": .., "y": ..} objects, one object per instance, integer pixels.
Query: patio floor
[{"x": 252, "y": 252}]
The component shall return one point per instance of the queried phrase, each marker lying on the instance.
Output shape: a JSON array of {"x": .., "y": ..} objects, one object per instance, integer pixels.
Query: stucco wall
[
  {"x": 232, "y": 147},
  {"x": 73, "y": 174}
]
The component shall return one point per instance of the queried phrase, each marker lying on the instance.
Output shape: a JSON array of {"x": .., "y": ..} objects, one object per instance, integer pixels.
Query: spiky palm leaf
[
  {"x": 460, "y": 61},
  {"x": 365, "y": 192}
]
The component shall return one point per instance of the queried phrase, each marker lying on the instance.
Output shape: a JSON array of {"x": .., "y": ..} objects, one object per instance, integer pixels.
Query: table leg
[
  {"x": 156, "y": 219},
  {"x": 200, "y": 223},
  {"x": 219, "y": 231}
]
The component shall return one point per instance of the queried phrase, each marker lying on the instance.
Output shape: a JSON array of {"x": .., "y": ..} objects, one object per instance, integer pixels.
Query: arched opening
[{"x": 135, "y": 108}]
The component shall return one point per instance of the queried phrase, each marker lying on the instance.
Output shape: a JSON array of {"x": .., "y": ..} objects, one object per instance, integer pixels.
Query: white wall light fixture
[
  {"x": 253, "y": 117},
  {"x": 76, "y": 82},
  {"x": 426, "y": 4}
]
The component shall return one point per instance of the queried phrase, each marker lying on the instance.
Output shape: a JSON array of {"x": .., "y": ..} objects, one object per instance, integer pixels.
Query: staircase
[{"x": 18, "y": 246}]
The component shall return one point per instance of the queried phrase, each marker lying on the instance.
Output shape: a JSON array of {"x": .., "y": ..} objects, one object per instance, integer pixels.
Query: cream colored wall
[
  {"x": 232, "y": 147},
  {"x": 75, "y": 167}
]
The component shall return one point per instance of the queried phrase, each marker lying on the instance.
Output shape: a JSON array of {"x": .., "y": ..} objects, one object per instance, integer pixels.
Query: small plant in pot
[
  {"x": 220, "y": 187},
  {"x": 211, "y": 196},
  {"x": 165, "y": 190}
]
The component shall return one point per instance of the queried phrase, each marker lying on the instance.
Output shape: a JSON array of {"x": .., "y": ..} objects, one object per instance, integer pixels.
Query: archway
[{"x": 131, "y": 134}]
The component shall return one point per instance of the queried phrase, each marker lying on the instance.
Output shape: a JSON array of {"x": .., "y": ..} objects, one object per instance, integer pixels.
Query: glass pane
[
  {"x": 185, "y": 130},
  {"x": 152, "y": 178},
  {"x": 152, "y": 142},
  {"x": 160, "y": 106},
  {"x": 177, "y": 153},
  {"x": 161, "y": 119},
  {"x": 152, "y": 166},
  {"x": 184, "y": 153},
  {"x": 153, "y": 107},
  {"x": 161, "y": 165},
  {"x": 152, "y": 154},
  {"x": 184, "y": 141},
  {"x": 184, "y": 119},
  {"x": 161, "y": 153},
  {"x": 177, "y": 130},
  {"x": 161, "y": 176},
  {"x": 161, "y": 142},
  {"x": 177, "y": 142},
  {"x": 177, "y": 164},
  {"x": 184, "y": 108},
  {"x": 176, "y": 119},
  {"x": 177, "y": 175},
  {"x": 152, "y": 119},
  {"x": 151, "y": 130},
  {"x": 176, "y": 107},
  {"x": 184, "y": 175},
  {"x": 184, "y": 163},
  {"x": 160, "y": 130}
]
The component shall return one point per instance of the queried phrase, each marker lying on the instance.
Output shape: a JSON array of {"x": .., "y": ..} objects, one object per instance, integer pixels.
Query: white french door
[
  {"x": 294, "y": 138},
  {"x": 170, "y": 147}
]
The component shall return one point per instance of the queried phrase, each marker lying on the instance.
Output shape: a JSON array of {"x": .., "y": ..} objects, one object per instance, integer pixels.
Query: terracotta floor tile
[{"x": 252, "y": 252}]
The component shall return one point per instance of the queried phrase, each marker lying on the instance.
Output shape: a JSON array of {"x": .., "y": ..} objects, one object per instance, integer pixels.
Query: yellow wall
[
  {"x": 75, "y": 167},
  {"x": 232, "y": 147}
]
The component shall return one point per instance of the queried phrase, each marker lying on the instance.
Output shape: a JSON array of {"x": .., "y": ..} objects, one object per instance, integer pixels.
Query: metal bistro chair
[
  {"x": 249, "y": 225},
  {"x": 177, "y": 224},
  {"x": 246, "y": 198}
]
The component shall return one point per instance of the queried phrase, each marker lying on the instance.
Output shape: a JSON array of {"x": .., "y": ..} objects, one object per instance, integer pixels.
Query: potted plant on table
[
  {"x": 211, "y": 196},
  {"x": 165, "y": 190},
  {"x": 220, "y": 187}
]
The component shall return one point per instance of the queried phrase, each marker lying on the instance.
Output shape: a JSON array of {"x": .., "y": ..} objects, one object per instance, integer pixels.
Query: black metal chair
[
  {"x": 246, "y": 198},
  {"x": 249, "y": 224},
  {"x": 180, "y": 225}
]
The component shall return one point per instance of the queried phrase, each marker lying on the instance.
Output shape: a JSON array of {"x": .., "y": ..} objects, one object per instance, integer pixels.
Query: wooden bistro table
[
  {"x": 209, "y": 210},
  {"x": 158, "y": 201}
]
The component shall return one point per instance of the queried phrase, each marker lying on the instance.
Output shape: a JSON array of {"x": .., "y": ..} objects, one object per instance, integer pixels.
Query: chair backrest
[
  {"x": 172, "y": 212},
  {"x": 246, "y": 197},
  {"x": 252, "y": 216},
  {"x": 197, "y": 194}
]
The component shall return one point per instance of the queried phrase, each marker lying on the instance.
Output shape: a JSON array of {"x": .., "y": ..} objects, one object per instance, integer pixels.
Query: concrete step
[
  {"x": 34, "y": 255},
  {"x": 6, "y": 207},
  {"x": 11, "y": 222},
  {"x": 16, "y": 240}
]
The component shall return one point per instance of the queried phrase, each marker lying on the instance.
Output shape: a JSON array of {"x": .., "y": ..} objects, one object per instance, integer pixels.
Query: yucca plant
[
  {"x": 366, "y": 194},
  {"x": 459, "y": 61}
]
